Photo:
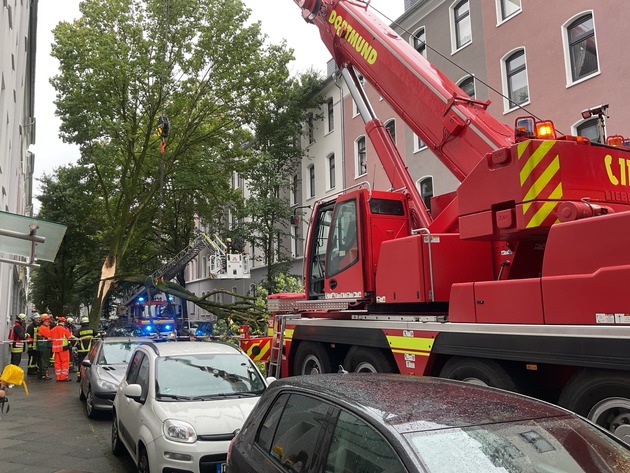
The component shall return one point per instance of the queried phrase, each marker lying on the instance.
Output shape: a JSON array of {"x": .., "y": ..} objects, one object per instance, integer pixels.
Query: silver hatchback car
[{"x": 102, "y": 370}]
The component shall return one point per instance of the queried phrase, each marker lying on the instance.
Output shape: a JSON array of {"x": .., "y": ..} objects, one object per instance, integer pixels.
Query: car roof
[
  {"x": 170, "y": 348},
  {"x": 420, "y": 403}
]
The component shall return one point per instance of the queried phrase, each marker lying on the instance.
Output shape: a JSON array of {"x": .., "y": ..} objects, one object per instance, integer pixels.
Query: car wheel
[
  {"x": 143, "y": 460},
  {"x": 368, "y": 360},
  {"x": 312, "y": 358},
  {"x": 602, "y": 397},
  {"x": 81, "y": 394},
  {"x": 118, "y": 448},
  {"x": 89, "y": 405},
  {"x": 479, "y": 372}
]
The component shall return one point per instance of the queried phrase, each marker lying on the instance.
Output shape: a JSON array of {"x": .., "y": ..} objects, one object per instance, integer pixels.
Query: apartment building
[
  {"x": 18, "y": 22},
  {"x": 558, "y": 61}
]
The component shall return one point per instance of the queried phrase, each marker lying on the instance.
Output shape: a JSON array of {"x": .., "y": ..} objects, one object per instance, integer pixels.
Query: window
[
  {"x": 461, "y": 24},
  {"x": 311, "y": 181},
  {"x": 331, "y": 115},
  {"x": 582, "y": 48},
  {"x": 418, "y": 41},
  {"x": 291, "y": 431},
  {"x": 418, "y": 144},
  {"x": 361, "y": 156},
  {"x": 391, "y": 127},
  {"x": 331, "y": 172},
  {"x": 134, "y": 367},
  {"x": 343, "y": 246},
  {"x": 468, "y": 86},
  {"x": 143, "y": 378},
  {"x": 357, "y": 446},
  {"x": 295, "y": 241},
  {"x": 311, "y": 128},
  {"x": 318, "y": 245},
  {"x": 590, "y": 129},
  {"x": 294, "y": 190},
  {"x": 507, "y": 8},
  {"x": 425, "y": 186},
  {"x": 516, "y": 79}
]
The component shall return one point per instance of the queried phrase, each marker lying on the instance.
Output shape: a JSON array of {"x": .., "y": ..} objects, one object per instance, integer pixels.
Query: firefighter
[
  {"x": 17, "y": 336},
  {"x": 33, "y": 354},
  {"x": 61, "y": 349},
  {"x": 84, "y": 335},
  {"x": 44, "y": 339}
]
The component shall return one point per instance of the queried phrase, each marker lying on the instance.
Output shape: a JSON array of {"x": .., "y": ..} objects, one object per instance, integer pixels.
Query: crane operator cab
[{"x": 345, "y": 241}]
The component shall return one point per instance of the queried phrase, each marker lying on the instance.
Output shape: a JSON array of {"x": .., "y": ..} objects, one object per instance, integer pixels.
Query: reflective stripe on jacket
[{"x": 85, "y": 336}]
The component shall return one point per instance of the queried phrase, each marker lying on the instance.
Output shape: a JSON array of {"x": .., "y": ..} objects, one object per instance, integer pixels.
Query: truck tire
[
  {"x": 601, "y": 396},
  {"x": 368, "y": 360},
  {"x": 479, "y": 372},
  {"x": 312, "y": 358}
]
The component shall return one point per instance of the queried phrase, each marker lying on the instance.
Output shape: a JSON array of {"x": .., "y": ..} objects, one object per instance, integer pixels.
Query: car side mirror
[
  {"x": 270, "y": 379},
  {"x": 133, "y": 391},
  {"x": 86, "y": 363}
]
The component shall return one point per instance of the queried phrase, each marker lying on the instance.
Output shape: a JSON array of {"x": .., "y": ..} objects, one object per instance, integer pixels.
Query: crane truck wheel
[
  {"x": 602, "y": 397},
  {"x": 479, "y": 372},
  {"x": 368, "y": 360},
  {"x": 312, "y": 358}
]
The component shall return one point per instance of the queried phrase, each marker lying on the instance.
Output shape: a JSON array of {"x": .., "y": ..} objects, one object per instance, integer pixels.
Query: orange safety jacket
[
  {"x": 60, "y": 335},
  {"x": 43, "y": 336}
]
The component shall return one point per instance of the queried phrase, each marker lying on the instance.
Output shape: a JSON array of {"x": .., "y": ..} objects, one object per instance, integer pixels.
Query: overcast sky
[{"x": 280, "y": 19}]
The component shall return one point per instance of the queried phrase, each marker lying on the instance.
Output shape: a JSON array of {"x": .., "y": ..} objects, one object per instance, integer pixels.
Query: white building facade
[{"x": 18, "y": 24}]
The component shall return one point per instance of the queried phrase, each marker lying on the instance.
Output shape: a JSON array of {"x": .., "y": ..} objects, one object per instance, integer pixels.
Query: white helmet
[
  {"x": 85, "y": 320},
  {"x": 70, "y": 320},
  {"x": 21, "y": 317}
]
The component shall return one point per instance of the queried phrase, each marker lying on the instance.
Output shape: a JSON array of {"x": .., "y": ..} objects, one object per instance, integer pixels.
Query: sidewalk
[{"x": 48, "y": 431}]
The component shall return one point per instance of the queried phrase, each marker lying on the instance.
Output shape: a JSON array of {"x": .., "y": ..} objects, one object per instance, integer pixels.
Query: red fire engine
[{"x": 516, "y": 280}]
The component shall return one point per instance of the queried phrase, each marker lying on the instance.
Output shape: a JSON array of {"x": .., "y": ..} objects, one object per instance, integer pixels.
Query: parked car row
[
  {"x": 102, "y": 370},
  {"x": 205, "y": 407}
]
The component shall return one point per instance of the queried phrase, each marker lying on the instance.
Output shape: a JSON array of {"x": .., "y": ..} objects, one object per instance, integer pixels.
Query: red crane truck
[{"x": 516, "y": 280}]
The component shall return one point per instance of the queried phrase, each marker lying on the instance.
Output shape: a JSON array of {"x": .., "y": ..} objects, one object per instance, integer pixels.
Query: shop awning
[{"x": 29, "y": 239}]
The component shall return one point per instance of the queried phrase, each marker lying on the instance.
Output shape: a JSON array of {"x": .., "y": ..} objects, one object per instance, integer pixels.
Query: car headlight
[
  {"x": 106, "y": 385},
  {"x": 179, "y": 431}
]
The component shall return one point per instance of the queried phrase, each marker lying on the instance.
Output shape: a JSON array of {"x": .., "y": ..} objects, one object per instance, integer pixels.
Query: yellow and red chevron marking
[
  {"x": 539, "y": 175},
  {"x": 258, "y": 349}
]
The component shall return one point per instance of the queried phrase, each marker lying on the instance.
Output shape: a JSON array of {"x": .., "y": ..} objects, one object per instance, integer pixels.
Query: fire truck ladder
[
  {"x": 179, "y": 262},
  {"x": 277, "y": 342}
]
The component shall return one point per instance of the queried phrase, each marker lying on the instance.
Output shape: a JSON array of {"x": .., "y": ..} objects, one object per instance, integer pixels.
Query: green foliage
[
  {"x": 71, "y": 280},
  {"x": 125, "y": 63},
  {"x": 281, "y": 283}
]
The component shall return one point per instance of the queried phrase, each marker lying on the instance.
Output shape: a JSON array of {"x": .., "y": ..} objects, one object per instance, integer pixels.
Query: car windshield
[
  {"x": 116, "y": 353},
  {"x": 553, "y": 445},
  {"x": 207, "y": 376}
]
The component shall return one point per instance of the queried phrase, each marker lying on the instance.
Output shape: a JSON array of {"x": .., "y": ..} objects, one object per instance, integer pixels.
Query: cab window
[{"x": 343, "y": 244}]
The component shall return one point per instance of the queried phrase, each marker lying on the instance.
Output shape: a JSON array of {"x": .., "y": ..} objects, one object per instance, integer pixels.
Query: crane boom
[{"x": 434, "y": 107}]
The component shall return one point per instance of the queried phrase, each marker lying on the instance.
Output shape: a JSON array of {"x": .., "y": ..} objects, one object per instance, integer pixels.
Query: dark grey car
[
  {"x": 377, "y": 423},
  {"x": 103, "y": 369}
]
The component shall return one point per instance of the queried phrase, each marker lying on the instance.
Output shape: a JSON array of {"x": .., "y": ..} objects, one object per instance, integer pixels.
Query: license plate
[{"x": 221, "y": 467}]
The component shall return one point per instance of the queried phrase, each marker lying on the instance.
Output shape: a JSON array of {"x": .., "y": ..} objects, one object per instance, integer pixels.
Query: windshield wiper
[
  {"x": 176, "y": 397},
  {"x": 208, "y": 397}
]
